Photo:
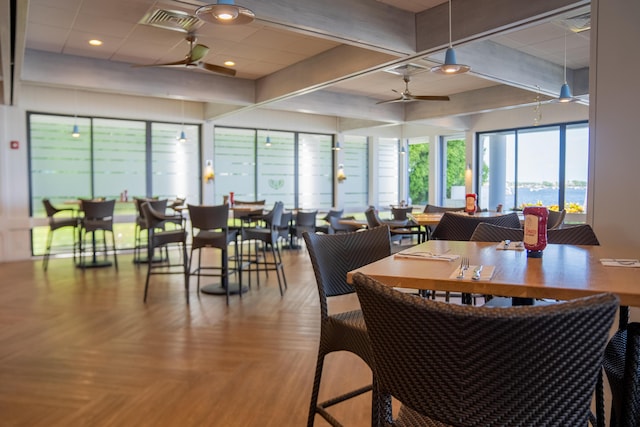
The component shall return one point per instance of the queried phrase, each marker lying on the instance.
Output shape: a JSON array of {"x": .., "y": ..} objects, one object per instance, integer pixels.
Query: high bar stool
[
  {"x": 268, "y": 237},
  {"x": 161, "y": 237},
  {"x": 210, "y": 229}
]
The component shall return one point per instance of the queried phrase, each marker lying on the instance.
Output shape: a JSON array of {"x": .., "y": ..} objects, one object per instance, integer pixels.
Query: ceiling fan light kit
[{"x": 225, "y": 12}]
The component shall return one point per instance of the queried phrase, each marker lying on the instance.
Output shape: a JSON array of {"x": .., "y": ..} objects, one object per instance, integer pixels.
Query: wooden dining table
[{"x": 563, "y": 272}]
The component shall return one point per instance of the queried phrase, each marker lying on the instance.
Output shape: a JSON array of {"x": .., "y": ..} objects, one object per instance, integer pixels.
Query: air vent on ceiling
[
  {"x": 172, "y": 20},
  {"x": 407, "y": 69}
]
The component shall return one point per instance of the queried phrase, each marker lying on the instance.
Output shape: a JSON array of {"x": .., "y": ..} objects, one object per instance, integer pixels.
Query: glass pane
[
  {"x": 538, "y": 167},
  {"x": 498, "y": 177},
  {"x": 234, "y": 163},
  {"x": 387, "y": 172},
  {"x": 454, "y": 155},
  {"x": 315, "y": 160},
  {"x": 119, "y": 160},
  {"x": 175, "y": 165},
  {"x": 356, "y": 165},
  {"x": 418, "y": 172},
  {"x": 577, "y": 165},
  {"x": 276, "y": 169}
]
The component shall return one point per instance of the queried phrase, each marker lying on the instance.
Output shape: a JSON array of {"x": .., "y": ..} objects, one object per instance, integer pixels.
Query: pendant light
[
  {"x": 225, "y": 12},
  {"x": 76, "y": 131},
  {"x": 267, "y": 141},
  {"x": 183, "y": 136},
  {"x": 565, "y": 90},
  {"x": 450, "y": 65}
]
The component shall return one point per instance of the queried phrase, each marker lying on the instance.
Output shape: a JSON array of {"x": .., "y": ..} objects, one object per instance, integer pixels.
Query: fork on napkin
[
  {"x": 620, "y": 262},
  {"x": 413, "y": 254}
]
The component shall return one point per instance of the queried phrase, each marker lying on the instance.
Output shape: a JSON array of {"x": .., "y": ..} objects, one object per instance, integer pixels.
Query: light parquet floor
[{"x": 80, "y": 348}]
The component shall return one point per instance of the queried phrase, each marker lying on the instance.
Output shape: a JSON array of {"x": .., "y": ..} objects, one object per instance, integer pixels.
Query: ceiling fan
[
  {"x": 194, "y": 59},
  {"x": 407, "y": 96}
]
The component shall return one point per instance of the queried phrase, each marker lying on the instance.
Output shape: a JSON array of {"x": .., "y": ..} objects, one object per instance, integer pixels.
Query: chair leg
[
  {"x": 185, "y": 261},
  {"x": 47, "y": 252},
  {"x": 315, "y": 391},
  {"x": 115, "y": 255}
]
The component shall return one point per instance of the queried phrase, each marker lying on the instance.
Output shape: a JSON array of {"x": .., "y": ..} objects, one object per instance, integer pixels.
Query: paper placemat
[
  {"x": 486, "y": 273},
  {"x": 431, "y": 256},
  {"x": 511, "y": 246},
  {"x": 620, "y": 262}
]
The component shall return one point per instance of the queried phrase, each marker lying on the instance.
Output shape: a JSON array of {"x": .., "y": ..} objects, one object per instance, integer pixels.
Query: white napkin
[
  {"x": 620, "y": 262},
  {"x": 512, "y": 246},
  {"x": 485, "y": 274},
  {"x": 416, "y": 254}
]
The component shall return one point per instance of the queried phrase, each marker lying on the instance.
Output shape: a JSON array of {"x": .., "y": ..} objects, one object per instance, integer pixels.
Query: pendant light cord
[
  {"x": 450, "y": 44},
  {"x": 565, "y": 56}
]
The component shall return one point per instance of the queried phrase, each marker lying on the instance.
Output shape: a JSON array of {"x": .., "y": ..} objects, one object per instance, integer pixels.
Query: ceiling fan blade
[
  {"x": 217, "y": 69},
  {"x": 391, "y": 100},
  {"x": 429, "y": 98},
  {"x": 198, "y": 52},
  {"x": 166, "y": 64}
]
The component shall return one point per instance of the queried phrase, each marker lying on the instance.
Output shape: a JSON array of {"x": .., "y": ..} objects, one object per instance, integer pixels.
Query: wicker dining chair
[
  {"x": 486, "y": 232},
  {"x": 160, "y": 237},
  {"x": 57, "y": 222},
  {"x": 455, "y": 226},
  {"x": 456, "y": 365},
  {"x": 210, "y": 230},
  {"x": 622, "y": 366},
  {"x": 581, "y": 234},
  {"x": 332, "y": 256}
]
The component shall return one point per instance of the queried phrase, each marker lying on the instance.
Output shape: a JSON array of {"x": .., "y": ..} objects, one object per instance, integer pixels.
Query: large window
[
  {"x": 453, "y": 171},
  {"x": 108, "y": 158},
  {"x": 388, "y": 172},
  {"x": 418, "y": 171},
  {"x": 356, "y": 164},
  {"x": 535, "y": 166},
  {"x": 295, "y": 168}
]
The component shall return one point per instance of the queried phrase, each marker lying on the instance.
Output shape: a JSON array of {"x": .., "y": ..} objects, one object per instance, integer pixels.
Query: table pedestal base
[
  {"x": 95, "y": 264},
  {"x": 217, "y": 289}
]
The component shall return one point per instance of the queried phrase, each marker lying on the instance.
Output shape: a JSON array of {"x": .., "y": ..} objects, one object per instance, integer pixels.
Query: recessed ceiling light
[
  {"x": 229, "y": 63},
  {"x": 95, "y": 42}
]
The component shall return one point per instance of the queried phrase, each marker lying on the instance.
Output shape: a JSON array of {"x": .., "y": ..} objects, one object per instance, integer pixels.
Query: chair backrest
[
  {"x": 478, "y": 366},
  {"x": 455, "y": 226},
  {"x": 441, "y": 209},
  {"x": 306, "y": 218},
  {"x": 556, "y": 218},
  {"x": 49, "y": 208},
  {"x": 622, "y": 366},
  {"x": 97, "y": 209},
  {"x": 205, "y": 217},
  {"x": 373, "y": 220},
  {"x": 333, "y": 213},
  {"x": 486, "y": 232},
  {"x": 273, "y": 218},
  {"x": 581, "y": 234},
  {"x": 334, "y": 255},
  {"x": 400, "y": 214}
]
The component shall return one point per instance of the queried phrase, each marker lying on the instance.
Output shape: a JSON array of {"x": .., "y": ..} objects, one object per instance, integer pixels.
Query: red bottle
[
  {"x": 470, "y": 205},
  {"x": 535, "y": 230}
]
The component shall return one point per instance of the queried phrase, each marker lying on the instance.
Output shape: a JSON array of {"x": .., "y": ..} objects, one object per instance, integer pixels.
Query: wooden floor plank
[{"x": 80, "y": 348}]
